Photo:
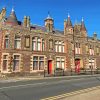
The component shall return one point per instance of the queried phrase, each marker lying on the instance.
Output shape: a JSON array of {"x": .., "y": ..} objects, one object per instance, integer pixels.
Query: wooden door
[{"x": 50, "y": 67}]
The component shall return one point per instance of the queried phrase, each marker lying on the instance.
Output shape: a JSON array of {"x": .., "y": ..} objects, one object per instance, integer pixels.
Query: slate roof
[{"x": 12, "y": 19}]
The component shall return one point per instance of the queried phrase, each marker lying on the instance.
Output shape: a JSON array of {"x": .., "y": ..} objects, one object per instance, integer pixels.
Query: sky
[{"x": 59, "y": 9}]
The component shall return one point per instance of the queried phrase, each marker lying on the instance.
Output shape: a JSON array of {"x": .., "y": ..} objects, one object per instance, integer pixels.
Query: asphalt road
[{"x": 43, "y": 88}]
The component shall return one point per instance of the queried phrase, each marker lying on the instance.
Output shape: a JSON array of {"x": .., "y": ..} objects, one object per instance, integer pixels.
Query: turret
[
  {"x": 12, "y": 19},
  {"x": 95, "y": 36},
  {"x": 2, "y": 14},
  {"x": 83, "y": 28},
  {"x": 68, "y": 28},
  {"x": 49, "y": 23}
]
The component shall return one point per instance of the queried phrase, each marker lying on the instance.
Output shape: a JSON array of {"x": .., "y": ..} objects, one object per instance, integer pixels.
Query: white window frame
[
  {"x": 59, "y": 46},
  {"x": 15, "y": 54},
  {"x": 38, "y": 44},
  {"x": 60, "y": 61},
  {"x": 38, "y": 69},
  {"x": 7, "y": 62},
  {"x": 17, "y": 39},
  {"x": 77, "y": 48},
  {"x": 5, "y": 42}
]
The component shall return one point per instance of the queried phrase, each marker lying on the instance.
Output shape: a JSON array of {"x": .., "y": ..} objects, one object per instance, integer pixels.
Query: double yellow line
[{"x": 58, "y": 97}]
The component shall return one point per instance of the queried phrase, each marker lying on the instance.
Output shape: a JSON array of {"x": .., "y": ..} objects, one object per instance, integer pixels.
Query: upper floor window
[
  {"x": 6, "y": 41},
  {"x": 27, "y": 41},
  {"x": 77, "y": 48},
  {"x": 51, "y": 44},
  {"x": 59, "y": 46},
  {"x": 91, "y": 50},
  {"x": 38, "y": 44},
  {"x": 17, "y": 44},
  {"x": 87, "y": 49}
]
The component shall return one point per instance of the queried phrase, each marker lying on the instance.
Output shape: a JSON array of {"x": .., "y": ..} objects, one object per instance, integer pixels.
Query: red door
[
  {"x": 50, "y": 67},
  {"x": 77, "y": 66}
]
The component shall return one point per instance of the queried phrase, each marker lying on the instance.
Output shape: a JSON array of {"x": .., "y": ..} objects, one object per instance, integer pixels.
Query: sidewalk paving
[
  {"x": 90, "y": 95},
  {"x": 25, "y": 78},
  {"x": 15, "y": 79}
]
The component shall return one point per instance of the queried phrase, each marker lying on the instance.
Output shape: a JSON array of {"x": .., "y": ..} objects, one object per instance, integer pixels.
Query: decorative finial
[
  {"x": 82, "y": 19},
  {"x": 12, "y": 9},
  {"x": 48, "y": 14},
  {"x": 4, "y": 8},
  {"x": 68, "y": 15}
]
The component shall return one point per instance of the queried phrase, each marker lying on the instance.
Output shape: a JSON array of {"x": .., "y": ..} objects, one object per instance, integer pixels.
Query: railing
[{"x": 61, "y": 72}]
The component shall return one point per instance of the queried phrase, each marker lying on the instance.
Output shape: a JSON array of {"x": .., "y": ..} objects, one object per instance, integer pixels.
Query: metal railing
[{"x": 71, "y": 72}]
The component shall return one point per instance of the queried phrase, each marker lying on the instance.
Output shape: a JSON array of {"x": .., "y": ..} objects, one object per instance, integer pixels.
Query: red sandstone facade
[{"x": 32, "y": 48}]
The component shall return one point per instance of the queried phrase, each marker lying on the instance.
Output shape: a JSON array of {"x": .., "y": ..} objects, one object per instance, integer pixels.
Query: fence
[{"x": 70, "y": 72}]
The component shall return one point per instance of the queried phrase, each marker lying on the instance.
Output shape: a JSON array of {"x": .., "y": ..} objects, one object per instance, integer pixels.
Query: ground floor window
[
  {"x": 38, "y": 62},
  {"x": 60, "y": 62},
  {"x": 91, "y": 63},
  {"x": 16, "y": 62},
  {"x": 5, "y": 62}
]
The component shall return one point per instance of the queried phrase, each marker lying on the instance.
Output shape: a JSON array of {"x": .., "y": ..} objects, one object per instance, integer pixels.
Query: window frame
[
  {"x": 60, "y": 61},
  {"x": 59, "y": 46},
  {"x": 38, "y": 60},
  {"x": 16, "y": 41},
  {"x": 5, "y": 42},
  {"x": 16, "y": 54},
  {"x": 7, "y": 54},
  {"x": 38, "y": 44}
]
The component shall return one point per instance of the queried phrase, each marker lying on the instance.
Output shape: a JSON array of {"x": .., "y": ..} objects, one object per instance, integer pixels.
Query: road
[{"x": 43, "y": 88}]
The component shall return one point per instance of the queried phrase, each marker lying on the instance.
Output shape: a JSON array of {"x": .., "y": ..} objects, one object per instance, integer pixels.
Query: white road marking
[
  {"x": 45, "y": 83},
  {"x": 22, "y": 85},
  {"x": 59, "y": 97}
]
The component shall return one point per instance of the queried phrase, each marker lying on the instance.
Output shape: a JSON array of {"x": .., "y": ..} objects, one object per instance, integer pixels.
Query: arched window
[
  {"x": 77, "y": 48},
  {"x": 38, "y": 44},
  {"x": 6, "y": 41},
  {"x": 17, "y": 42},
  {"x": 59, "y": 46}
]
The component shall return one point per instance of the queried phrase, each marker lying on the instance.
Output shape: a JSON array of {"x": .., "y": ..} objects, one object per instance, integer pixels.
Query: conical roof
[
  {"x": 69, "y": 23},
  {"x": 49, "y": 17},
  {"x": 12, "y": 19},
  {"x": 83, "y": 28}
]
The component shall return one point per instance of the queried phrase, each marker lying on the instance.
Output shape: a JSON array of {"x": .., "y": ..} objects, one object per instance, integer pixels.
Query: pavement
[
  {"x": 26, "y": 78},
  {"x": 93, "y": 94},
  {"x": 16, "y": 79}
]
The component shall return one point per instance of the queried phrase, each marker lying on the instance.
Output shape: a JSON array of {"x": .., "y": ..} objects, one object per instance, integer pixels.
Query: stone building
[{"x": 33, "y": 48}]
